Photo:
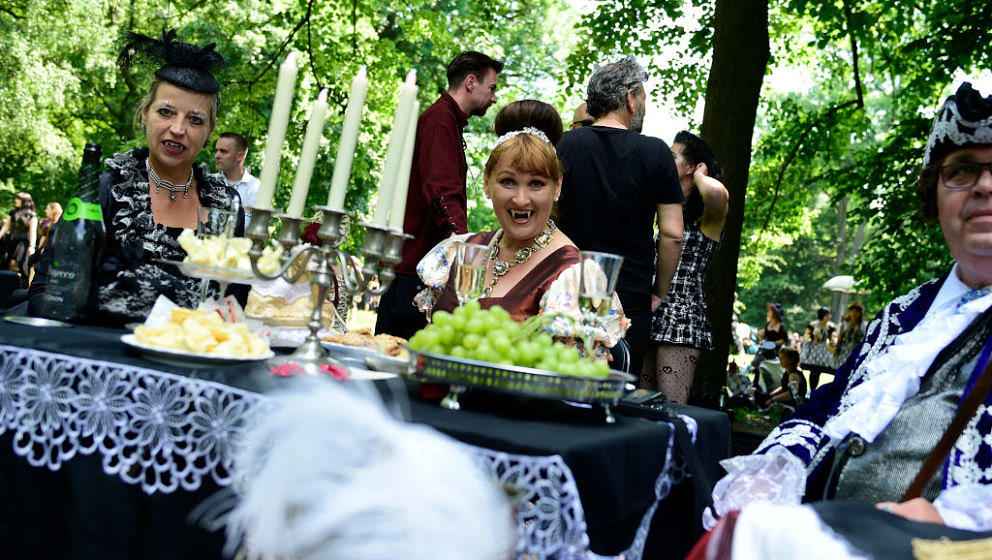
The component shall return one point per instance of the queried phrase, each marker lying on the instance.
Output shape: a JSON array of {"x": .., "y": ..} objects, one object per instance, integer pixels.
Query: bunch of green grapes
[{"x": 491, "y": 335}]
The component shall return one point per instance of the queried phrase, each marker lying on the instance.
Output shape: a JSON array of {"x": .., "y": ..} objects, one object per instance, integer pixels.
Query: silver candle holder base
[{"x": 382, "y": 251}]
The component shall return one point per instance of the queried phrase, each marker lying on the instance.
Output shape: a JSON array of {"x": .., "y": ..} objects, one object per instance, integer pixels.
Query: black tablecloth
[
  {"x": 80, "y": 512},
  {"x": 615, "y": 466}
]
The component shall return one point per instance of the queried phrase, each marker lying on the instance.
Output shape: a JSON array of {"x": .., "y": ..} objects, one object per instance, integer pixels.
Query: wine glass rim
[
  {"x": 601, "y": 254},
  {"x": 203, "y": 214}
]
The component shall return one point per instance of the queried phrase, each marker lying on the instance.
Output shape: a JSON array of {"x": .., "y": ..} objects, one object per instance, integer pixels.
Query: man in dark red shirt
[{"x": 436, "y": 203}]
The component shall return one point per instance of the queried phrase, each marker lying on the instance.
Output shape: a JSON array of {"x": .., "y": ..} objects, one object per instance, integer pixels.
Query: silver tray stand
[{"x": 529, "y": 382}]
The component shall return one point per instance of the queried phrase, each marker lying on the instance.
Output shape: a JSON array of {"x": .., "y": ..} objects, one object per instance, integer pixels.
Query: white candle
[
  {"x": 304, "y": 172},
  {"x": 349, "y": 137},
  {"x": 401, "y": 121},
  {"x": 397, "y": 209},
  {"x": 281, "y": 105}
]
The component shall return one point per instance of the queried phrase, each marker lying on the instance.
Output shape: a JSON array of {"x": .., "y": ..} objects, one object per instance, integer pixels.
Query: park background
[{"x": 818, "y": 109}]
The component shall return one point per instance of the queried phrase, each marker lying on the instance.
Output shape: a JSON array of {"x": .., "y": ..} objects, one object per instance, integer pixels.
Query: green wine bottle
[{"x": 76, "y": 243}]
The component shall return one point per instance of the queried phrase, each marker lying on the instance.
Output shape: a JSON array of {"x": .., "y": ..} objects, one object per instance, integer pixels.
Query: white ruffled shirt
[
  {"x": 891, "y": 378},
  {"x": 894, "y": 375}
]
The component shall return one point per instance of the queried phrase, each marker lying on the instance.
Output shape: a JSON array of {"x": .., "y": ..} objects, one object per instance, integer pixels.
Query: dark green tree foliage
[
  {"x": 795, "y": 274},
  {"x": 875, "y": 72},
  {"x": 60, "y": 89}
]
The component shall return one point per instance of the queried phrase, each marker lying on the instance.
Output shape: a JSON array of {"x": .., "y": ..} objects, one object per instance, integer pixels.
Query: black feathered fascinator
[{"x": 186, "y": 65}]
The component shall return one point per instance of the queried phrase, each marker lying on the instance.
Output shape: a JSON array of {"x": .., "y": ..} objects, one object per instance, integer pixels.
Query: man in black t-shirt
[{"x": 616, "y": 183}]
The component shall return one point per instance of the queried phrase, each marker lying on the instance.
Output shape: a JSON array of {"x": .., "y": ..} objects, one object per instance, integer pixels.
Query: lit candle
[
  {"x": 397, "y": 209},
  {"x": 349, "y": 137},
  {"x": 281, "y": 105},
  {"x": 304, "y": 172},
  {"x": 401, "y": 121}
]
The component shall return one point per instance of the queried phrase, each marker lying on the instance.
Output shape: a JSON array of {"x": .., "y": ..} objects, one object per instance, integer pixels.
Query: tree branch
[
  {"x": 278, "y": 53},
  {"x": 854, "y": 54},
  {"x": 792, "y": 156},
  {"x": 11, "y": 13},
  {"x": 196, "y": 5},
  {"x": 354, "y": 27},
  {"x": 313, "y": 68}
]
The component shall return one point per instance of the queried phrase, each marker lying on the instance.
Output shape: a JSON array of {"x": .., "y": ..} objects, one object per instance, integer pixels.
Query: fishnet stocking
[{"x": 673, "y": 371}]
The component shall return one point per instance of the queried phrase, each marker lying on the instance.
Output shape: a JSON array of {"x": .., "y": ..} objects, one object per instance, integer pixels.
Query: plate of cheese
[{"x": 198, "y": 336}]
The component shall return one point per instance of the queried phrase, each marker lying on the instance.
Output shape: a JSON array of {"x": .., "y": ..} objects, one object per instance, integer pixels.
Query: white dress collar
[{"x": 949, "y": 294}]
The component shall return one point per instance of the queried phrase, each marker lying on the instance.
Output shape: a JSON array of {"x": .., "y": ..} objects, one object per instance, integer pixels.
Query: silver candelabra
[{"x": 382, "y": 252}]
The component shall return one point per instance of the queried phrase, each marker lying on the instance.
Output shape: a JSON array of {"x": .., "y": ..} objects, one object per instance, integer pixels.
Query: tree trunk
[
  {"x": 840, "y": 260},
  {"x": 740, "y": 57}
]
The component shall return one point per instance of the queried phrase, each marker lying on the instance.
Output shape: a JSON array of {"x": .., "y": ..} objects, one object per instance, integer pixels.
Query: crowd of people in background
[
  {"x": 821, "y": 347},
  {"x": 24, "y": 236}
]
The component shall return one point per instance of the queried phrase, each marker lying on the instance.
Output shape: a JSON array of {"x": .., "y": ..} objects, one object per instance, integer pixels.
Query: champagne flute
[
  {"x": 598, "y": 274},
  {"x": 470, "y": 272}
]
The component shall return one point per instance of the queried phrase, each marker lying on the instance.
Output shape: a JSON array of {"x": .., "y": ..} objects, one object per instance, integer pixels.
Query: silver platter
[
  {"x": 524, "y": 381},
  {"x": 35, "y": 321},
  {"x": 217, "y": 273}
]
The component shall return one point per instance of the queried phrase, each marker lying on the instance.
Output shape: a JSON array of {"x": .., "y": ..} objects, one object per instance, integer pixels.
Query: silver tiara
[{"x": 525, "y": 130}]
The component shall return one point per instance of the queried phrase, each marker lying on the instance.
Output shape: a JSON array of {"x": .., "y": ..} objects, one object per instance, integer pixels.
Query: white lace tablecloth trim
[
  {"x": 691, "y": 425},
  {"x": 551, "y": 521},
  {"x": 154, "y": 429}
]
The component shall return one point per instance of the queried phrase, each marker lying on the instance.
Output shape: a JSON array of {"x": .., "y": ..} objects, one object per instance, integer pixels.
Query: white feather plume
[{"x": 325, "y": 473}]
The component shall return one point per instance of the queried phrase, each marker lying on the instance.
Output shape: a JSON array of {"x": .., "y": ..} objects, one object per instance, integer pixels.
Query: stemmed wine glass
[
  {"x": 470, "y": 275},
  {"x": 598, "y": 274},
  {"x": 217, "y": 225},
  {"x": 470, "y": 281}
]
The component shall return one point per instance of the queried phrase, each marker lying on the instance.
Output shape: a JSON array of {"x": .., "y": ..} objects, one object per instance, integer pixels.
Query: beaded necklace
[{"x": 501, "y": 267}]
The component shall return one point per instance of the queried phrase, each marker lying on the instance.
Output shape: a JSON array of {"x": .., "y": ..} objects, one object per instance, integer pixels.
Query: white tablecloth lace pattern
[
  {"x": 156, "y": 429},
  {"x": 167, "y": 432}
]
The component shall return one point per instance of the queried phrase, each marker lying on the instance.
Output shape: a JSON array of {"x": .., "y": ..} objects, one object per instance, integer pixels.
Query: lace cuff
[
  {"x": 777, "y": 476},
  {"x": 561, "y": 299},
  {"x": 434, "y": 269},
  {"x": 967, "y": 507}
]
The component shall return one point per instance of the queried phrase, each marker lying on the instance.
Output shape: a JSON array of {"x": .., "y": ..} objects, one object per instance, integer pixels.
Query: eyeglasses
[{"x": 963, "y": 174}]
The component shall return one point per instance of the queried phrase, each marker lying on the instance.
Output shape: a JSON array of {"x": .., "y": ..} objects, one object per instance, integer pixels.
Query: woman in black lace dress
[
  {"x": 22, "y": 226},
  {"x": 680, "y": 328},
  {"x": 150, "y": 194}
]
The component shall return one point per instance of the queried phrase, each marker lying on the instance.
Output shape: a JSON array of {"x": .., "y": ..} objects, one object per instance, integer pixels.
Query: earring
[{"x": 143, "y": 129}]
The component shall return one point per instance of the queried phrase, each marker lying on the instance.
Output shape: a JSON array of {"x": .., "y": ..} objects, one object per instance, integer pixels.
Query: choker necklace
[
  {"x": 169, "y": 185},
  {"x": 501, "y": 267}
]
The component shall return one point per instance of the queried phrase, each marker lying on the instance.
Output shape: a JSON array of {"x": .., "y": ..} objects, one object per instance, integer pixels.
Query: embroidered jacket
[{"x": 970, "y": 461}]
